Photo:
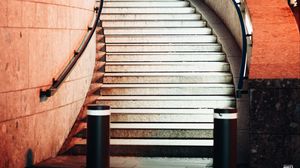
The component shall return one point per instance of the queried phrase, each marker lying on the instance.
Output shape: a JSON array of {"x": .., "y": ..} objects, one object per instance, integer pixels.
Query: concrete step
[
  {"x": 127, "y": 10},
  {"x": 162, "y": 134},
  {"x": 153, "y": 23},
  {"x": 162, "y": 115},
  {"x": 162, "y": 126},
  {"x": 166, "y": 98},
  {"x": 192, "y": 16},
  {"x": 157, "y": 130},
  {"x": 191, "y": 111},
  {"x": 145, "y": 31},
  {"x": 156, "y": 134},
  {"x": 167, "y": 89},
  {"x": 167, "y": 67},
  {"x": 137, "y": 4},
  {"x": 164, "y": 151},
  {"x": 97, "y": 76},
  {"x": 128, "y": 39},
  {"x": 157, "y": 142},
  {"x": 110, "y": 48},
  {"x": 100, "y": 55},
  {"x": 193, "y": 78},
  {"x": 139, "y": 1},
  {"x": 159, "y": 118},
  {"x": 167, "y": 101},
  {"x": 162, "y": 57}
]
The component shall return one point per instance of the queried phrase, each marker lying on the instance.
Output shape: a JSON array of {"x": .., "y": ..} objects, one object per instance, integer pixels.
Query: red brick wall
[
  {"x": 37, "y": 39},
  {"x": 276, "y": 41}
]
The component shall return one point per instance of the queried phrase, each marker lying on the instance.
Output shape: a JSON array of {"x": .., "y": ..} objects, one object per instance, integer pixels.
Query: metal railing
[
  {"x": 57, "y": 82},
  {"x": 246, "y": 29}
]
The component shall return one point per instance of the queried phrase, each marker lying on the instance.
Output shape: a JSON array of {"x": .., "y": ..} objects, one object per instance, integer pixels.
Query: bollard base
[
  {"x": 225, "y": 138},
  {"x": 98, "y": 136}
]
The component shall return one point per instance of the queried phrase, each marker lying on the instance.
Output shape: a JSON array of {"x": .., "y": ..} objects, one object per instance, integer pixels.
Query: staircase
[{"x": 165, "y": 72}]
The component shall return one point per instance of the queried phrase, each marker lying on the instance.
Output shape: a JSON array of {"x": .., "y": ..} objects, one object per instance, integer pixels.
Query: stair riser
[
  {"x": 162, "y": 48},
  {"x": 157, "y": 134},
  {"x": 146, "y": 4},
  {"x": 161, "y": 151},
  {"x": 128, "y": 24},
  {"x": 127, "y": 39},
  {"x": 168, "y": 79},
  {"x": 115, "y": 31},
  {"x": 162, "y": 134},
  {"x": 167, "y": 91},
  {"x": 151, "y": 151},
  {"x": 209, "y": 112},
  {"x": 140, "y": 1},
  {"x": 168, "y": 68},
  {"x": 168, "y": 104},
  {"x": 174, "y": 57},
  {"x": 147, "y": 10},
  {"x": 150, "y": 17},
  {"x": 168, "y": 118}
]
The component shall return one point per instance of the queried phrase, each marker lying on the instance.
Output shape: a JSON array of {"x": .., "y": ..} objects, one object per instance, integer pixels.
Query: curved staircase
[{"x": 165, "y": 72}]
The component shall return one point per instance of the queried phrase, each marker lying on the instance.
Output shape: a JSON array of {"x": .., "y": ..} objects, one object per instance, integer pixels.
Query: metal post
[
  {"x": 225, "y": 138},
  {"x": 98, "y": 122}
]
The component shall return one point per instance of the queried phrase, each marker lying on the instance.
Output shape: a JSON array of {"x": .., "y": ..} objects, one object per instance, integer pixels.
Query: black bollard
[
  {"x": 225, "y": 138},
  {"x": 98, "y": 121}
]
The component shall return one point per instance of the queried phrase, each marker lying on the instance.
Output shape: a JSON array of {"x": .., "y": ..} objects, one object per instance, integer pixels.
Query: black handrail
[
  {"x": 56, "y": 83},
  {"x": 239, "y": 89}
]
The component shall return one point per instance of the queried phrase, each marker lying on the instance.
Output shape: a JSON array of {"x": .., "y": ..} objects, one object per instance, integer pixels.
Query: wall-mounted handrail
[
  {"x": 56, "y": 83},
  {"x": 243, "y": 68}
]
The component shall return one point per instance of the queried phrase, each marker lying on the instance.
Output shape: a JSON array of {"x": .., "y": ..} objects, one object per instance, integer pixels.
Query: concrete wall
[
  {"x": 227, "y": 13},
  {"x": 37, "y": 39}
]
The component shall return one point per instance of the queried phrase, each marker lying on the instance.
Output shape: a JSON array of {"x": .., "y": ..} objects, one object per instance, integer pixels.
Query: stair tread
[
  {"x": 161, "y": 126},
  {"x": 164, "y": 47},
  {"x": 156, "y": 142},
  {"x": 158, "y": 35},
  {"x": 169, "y": 74},
  {"x": 166, "y": 85},
  {"x": 163, "y": 38},
  {"x": 182, "y": 98},
  {"x": 163, "y": 111},
  {"x": 148, "y": 10},
  {"x": 163, "y": 44},
  {"x": 138, "y": 0},
  {"x": 145, "y": 4},
  {"x": 154, "y": 30},
  {"x": 165, "y": 63},
  {"x": 149, "y": 16},
  {"x": 163, "y": 53},
  {"x": 190, "y": 126},
  {"x": 153, "y": 23}
]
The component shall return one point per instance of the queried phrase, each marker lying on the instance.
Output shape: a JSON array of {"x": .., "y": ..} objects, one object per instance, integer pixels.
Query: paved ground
[{"x": 129, "y": 162}]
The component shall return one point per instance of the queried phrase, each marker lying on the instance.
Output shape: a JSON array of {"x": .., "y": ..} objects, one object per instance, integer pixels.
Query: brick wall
[{"x": 276, "y": 41}]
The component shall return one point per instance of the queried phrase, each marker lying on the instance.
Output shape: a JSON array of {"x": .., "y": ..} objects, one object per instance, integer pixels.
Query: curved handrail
[
  {"x": 56, "y": 83},
  {"x": 244, "y": 51}
]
